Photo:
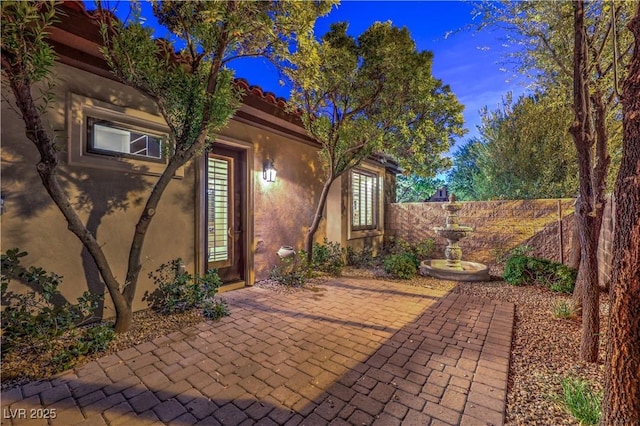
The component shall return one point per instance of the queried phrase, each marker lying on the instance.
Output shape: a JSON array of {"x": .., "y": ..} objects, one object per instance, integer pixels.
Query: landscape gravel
[{"x": 544, "y": 351}]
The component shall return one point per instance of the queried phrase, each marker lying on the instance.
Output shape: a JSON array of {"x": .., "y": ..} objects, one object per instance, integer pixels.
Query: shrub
[
  {"x": 524, "y": 270},
  {"x": 401, "y": 265},
  {"x": 360, "y": 259},
  {"x": 420, "y": 250},
  {"x": 34, "y": 320},
  {"x": 562, "y": 309},
  {"x": 215, "y": 309},
  {"x": 424, "y": 249},
  {"x": 502, "y": 255},
  {"x": 517, "y": 271},
  {"x": 581, "y": 401},
  {"x": 92, "y": 340},
  {"x": 179, "y": 291},
  {"x": 565, "y": 279},
  {"x": 290, "y": 272},
  {"x": 328, "y": 257}
]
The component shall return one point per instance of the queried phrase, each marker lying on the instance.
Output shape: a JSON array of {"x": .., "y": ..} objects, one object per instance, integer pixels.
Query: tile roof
[{"x": 92, "y": 16}]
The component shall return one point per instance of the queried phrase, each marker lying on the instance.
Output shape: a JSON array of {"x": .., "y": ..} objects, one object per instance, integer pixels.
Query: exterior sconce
[
  {"x": 3, "y": 209},
  {"x": 269, "y": 172}
]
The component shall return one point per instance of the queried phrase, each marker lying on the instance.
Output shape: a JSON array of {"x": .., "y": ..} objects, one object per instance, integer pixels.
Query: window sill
[
  {"x": 81, "y": 107},
  {"x": 364, "y": 233}
]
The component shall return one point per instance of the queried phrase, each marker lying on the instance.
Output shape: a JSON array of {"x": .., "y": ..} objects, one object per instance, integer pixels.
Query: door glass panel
[{"x": 218, "y": 223}]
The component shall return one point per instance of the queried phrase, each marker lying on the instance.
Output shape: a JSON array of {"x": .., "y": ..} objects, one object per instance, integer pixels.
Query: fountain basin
[{"x": 469, "y": 271}]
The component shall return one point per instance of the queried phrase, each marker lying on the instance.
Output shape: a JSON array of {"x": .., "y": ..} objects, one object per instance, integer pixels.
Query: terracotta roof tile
[{"x": 257, "y": 91}]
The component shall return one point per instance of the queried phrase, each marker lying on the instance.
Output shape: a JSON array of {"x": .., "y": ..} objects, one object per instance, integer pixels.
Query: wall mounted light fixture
[{"x": 269, "y": 172}]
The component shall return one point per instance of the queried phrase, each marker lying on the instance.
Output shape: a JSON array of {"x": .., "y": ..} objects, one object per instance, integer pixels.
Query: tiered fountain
[{"x": 453, "y": 267}]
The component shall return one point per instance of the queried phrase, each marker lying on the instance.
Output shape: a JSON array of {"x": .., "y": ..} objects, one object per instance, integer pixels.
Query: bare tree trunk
[
  {"x": 311, "y": 232},
  {"x": 621, "y": 403},
  {"x": 47, "y": 169},
  {"x": 574, "y": 262},
  {"x": 586, "y": 207},
  {"x": 578, "y": 291}
]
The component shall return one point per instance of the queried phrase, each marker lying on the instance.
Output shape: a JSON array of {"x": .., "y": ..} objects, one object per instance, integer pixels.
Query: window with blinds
[
  {"x": 364, "y": 193},
  {"x": 218, "y": 172}
]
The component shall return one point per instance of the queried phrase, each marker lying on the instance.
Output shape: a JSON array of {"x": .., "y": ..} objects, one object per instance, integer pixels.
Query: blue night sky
[{"x": 470, "y": 62}]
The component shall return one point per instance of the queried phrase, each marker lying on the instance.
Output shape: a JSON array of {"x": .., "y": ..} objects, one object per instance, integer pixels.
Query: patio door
[{"x": 225, "y": 199}]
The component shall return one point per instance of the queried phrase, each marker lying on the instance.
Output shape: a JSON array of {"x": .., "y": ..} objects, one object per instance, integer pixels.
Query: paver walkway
[{"x": 353, "y": 352}]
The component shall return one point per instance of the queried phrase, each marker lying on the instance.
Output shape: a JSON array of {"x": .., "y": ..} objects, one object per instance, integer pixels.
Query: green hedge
[
  {"x": 526, "y": 270},
  {"x": 403, "y": 266}
]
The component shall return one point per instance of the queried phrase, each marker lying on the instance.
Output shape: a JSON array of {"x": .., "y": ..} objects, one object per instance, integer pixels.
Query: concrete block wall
[
  {"x": 498, "y": 226},
  {"x": 546, "y": 225},
  {"x": 605, "y": 245}
]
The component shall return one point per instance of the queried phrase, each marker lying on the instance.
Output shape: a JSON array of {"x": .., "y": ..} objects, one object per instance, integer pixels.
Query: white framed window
[
  {"x": 114, "y": 137},
  {"x": 110, "y": 138},
  {"x": 364, "y": 199}
]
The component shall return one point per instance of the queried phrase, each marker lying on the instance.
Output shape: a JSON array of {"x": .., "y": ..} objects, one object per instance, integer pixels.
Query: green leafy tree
[
  {"x": 414, "y": 188},
  {"x": 575, "y": 49},
  {"x": 373, "y": 95},
  {"x": 521, "y": 156},
  {"x": 192, "y": 87},
  {"x": 463, "y": 178}
]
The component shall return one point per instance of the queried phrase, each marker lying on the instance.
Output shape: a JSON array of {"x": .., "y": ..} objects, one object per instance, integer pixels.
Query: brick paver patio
[{"x": 353, "y": 352}]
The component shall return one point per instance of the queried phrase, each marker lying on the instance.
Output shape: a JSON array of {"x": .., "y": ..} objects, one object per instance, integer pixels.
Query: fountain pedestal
[{"x": 453, "y": 267}]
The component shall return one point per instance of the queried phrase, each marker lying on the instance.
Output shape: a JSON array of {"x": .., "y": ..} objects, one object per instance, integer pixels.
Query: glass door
[
  {"x": 224, "y": 231},
  {"x": 219, "y": 219}
]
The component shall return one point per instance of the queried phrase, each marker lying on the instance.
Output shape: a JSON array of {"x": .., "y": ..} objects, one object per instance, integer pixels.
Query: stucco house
[{"x": 222, "y": 210}]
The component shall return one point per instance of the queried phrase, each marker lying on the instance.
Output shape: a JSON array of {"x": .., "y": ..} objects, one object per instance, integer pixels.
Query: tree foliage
[
  {"x": 373, "y": 94},
  {"x": 187, "y": 77},
  {"x": 518, "y": 155},
  {"x": 414, "y": 188},
  {"x": 463, "y": 177},
  {"x": 578, "y": 50},
  {"x": 541, "y": 34}
]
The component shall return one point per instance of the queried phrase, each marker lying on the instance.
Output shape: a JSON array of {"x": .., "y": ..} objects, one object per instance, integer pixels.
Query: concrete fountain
[{"x": 453, "y": 267}]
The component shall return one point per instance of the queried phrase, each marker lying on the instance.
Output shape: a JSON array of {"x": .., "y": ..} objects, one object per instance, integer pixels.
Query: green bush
[
  {"x": 398, "y": 246},
  {"x": 93, "y": 339},
  {"x": 525, "y": 270},
  {"x": 328, "y": 257},
  {"x": 179, "y": 291},
  {"x": 360, "y": 259},
  {"x": 565, "y": 279},
  {"x": 517, "y": 270},
  {"x": 34, "y": 320},
  {"x": 581, "y": 401},
  {"x": 291, "y": 272},
  {"x": 401, "y": 265},
  {"x": 502, "y": 255},
  {"x": 421, "y": 250},
  {"x": 424, "y": 249},
  {"x": 215, "y": 309},
  {"x": 562, "y": 309}
]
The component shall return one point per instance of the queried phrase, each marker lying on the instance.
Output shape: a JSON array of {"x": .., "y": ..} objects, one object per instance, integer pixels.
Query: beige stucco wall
[
  {"x": 282, "y": 210},
  {"x": 108, "y": 201}
]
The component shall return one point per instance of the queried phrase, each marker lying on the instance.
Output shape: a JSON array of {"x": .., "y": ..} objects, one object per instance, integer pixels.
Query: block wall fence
[{"x": 547, "y": 225}]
